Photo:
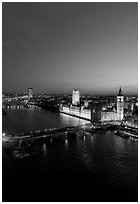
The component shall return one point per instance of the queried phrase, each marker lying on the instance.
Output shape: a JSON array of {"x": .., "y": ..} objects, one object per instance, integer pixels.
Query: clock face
[{"x": 120, "y": 99}]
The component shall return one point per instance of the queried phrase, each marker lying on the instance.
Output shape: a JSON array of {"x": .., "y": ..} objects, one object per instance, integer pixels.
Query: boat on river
[
  {"x": 19, "y": 153},
  {"x": 126, "y": 133}
]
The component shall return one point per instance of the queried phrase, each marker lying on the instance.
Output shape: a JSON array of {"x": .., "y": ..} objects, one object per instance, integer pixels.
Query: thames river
[{"x": 100, "y": 167}]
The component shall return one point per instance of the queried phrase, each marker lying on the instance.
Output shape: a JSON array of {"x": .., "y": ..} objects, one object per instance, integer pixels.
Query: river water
[{"x": 101, "y": 167}]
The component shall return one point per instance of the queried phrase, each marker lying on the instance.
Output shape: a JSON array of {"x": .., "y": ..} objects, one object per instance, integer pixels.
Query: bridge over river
[
  {"x": 12, "y": 140},
  {"x": 57, "y": 131},
  {"x": 34, "y": 135}
]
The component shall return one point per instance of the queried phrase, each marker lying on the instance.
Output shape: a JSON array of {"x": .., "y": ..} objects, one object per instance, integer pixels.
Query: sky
[{"x": 56, "y": 47}]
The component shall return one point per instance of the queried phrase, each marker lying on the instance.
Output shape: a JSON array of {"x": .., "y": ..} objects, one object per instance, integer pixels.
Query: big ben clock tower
[{"x": 120, "y": 105}]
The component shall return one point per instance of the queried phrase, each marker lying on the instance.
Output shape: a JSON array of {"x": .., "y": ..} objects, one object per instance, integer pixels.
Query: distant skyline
[{"x": 56, "y": 47}]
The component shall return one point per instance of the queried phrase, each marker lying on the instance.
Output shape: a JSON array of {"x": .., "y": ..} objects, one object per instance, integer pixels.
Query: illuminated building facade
[
  {"x": 76, "y": 111},
  {"x": 30, "y": 93},
  {"x": 96, "y": 114},
  {"x": 75, "y": 97},
  {"x": 109, "y": 116},
  {"x": 113, "y": 115}
]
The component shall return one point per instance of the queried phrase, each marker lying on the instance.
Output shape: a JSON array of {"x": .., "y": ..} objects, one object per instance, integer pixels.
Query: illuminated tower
[
  {"x": 75, "y": 97},
  {"x": 30, "y": 93},
  {"x": 120, "y": 105}
]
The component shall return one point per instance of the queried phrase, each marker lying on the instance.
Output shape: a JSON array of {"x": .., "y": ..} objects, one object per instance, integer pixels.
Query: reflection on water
[
  {"x": 66, "y": 144},
  {"x": 109, "y": 158},
  {"x": 44, "y": 148},
  {"x": 92, "y": 139}
]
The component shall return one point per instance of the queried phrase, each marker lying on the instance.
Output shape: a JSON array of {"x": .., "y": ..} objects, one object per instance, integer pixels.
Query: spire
[{"x": 120, "y": 92}]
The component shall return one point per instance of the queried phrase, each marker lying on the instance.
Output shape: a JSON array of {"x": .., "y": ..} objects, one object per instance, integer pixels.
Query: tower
[
  {"x": 120, "y": 105},
  {"x": 75, "y": 97},
  {"x": 30, "y": 93}
]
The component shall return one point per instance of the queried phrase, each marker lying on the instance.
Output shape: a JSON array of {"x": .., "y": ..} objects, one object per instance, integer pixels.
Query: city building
[
  {"x": 86, "y": 103},
  {"x": 96, "y": 113},
  {"x": 109, "y": 115},
  {"x": 75, "y": 97},
  {"x": 30, "y": 93},
  {"x": 120, "y": 105},
  {"x": 76, "y": 111}
]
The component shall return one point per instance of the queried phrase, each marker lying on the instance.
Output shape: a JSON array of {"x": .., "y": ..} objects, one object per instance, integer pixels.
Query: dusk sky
[{"x": 56, "y": 47}]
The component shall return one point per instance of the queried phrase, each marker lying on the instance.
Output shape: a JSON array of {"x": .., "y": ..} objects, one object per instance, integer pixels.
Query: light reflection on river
[{"x": 108, "y": 163}]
